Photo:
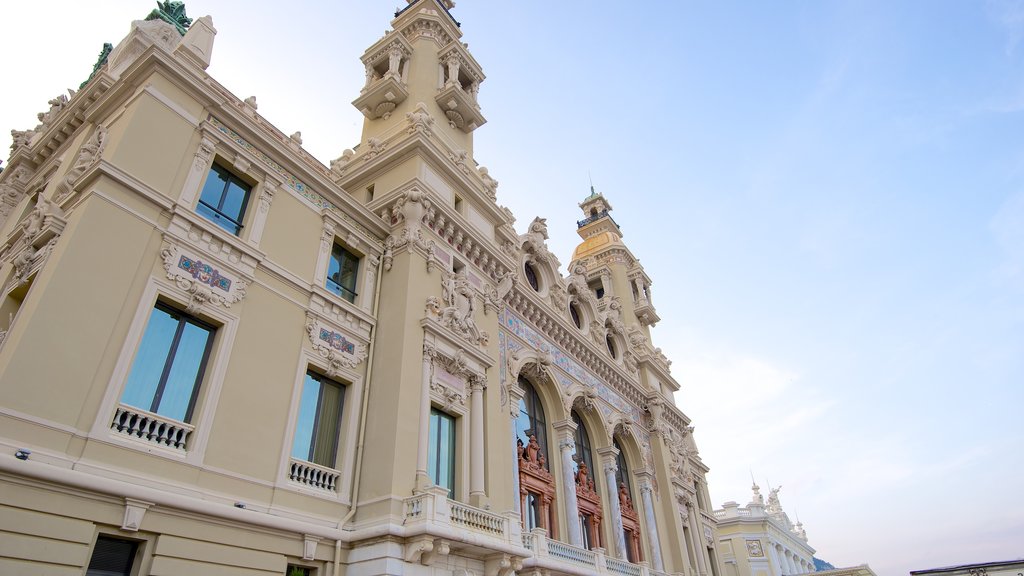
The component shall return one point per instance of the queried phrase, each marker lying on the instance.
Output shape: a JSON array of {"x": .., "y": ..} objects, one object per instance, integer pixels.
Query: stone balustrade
[
  {"x": 150, "y": 427},
  {"x": 313, "y": 475},
  {"x": 561, "y": 558},
  {"x": 433, "y": 506}
]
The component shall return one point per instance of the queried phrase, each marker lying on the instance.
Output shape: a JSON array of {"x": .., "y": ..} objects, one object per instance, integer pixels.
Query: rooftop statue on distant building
[
  {"x": 758, "y": 498},
  {"x": 774, "y": 507},
  {"x": 173, "y": 13}
]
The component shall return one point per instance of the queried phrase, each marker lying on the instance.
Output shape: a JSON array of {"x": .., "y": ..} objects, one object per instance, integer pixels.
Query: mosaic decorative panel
[
  {"x": 337, "y": 341},
  {"x": 204, "y": 273}
]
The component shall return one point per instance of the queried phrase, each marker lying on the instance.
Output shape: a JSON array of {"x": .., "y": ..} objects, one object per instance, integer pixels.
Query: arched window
[
  {"x": 574, "y": 312},
  {"x": 610, "y": 342},
  {"x": 531, "y": 418},
  {"x": 622, "y": 473},
  {"x": 531, "y": 276},
  {"x": 584, "y": 453}
]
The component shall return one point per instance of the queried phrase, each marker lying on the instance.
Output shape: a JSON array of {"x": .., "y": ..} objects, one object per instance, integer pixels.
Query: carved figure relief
[
  {"x": 88, "y": 155},
  {"x": 533, "y": 242},
  {"x": 419, "y": 119},
  {"x": 12, "y": 190},
  {"x": 457, "y": 307}
]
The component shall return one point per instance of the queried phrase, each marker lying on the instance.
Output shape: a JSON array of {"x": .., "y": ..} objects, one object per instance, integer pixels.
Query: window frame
[
  {"x": 232, "y": 178},
  {"x": 584, "y": 448},
  {"x": 336, "y": 436},
  {"x": 433, "y": 465},
  {"x": 343, "y": 291},
  {"x": 531, "y": 398},
  {"x": 183, "y": 318},
  {"x": 226, "y": 322}
]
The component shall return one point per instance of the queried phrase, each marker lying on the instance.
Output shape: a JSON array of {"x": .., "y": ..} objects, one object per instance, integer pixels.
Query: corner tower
[
  {"x": 622, "y": 288},
  {"x": 422, "y": 62}
]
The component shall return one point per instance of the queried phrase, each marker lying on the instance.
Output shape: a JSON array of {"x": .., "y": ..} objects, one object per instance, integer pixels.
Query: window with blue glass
[
  {"x": 342, "y": 272},
  {"x": 319, "y": 423},
  {"x": 441, "y": 451},
  {"x": 224, "y": 199},
  {"x": 169, "y": 365},
  {"x": 530, "y": 421}
]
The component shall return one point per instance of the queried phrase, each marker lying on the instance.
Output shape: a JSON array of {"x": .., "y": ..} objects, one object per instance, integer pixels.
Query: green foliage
[{"x": 172, "y": 12}]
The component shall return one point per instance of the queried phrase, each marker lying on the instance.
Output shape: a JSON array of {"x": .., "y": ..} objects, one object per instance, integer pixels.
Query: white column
[
  {"x": 789, "y": 563},
  {"x": 611, "y": 467},
  {"x": 515, "y": 394},
  {"x": 773, "y": 553},
  {"x": 199, "y": 170},
  {"x": 476, "y": 442},
  {"x": 647, "y": 495},
  {"x": 697, "y": 537},
  {"x": 422, "y": 476},
  {"x": 567, "y": 447}
]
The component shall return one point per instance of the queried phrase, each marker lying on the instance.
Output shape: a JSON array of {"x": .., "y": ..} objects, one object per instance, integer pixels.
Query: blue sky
[{"x": 828, "y": 195}]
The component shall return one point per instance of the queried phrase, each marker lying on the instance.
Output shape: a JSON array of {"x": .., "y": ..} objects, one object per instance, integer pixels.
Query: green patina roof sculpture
[
  {"x": 172, "y": 12},
  {"x": 107, "y": 48}
]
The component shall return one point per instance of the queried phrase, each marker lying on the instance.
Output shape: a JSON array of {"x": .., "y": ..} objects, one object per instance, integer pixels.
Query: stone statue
[
  {"x": 774, "y": 506},
  {"x": 624, "y": 500}
]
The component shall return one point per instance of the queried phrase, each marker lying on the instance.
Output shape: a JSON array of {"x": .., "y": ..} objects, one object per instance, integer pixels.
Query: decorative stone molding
[
  {"x": 457, "y": 306},
  {"x": 309, "y": 546},
  {"x": 494, "y": 296},
  {"x": 502, "y": 565},
  {"x": 420, "y": 120},
  {"x": 375, "y": 147},
  {"x": 35, "y": 238},
  {"x": 490, "y": 184},
  {"x": 340, "y": 350},
  {"x": 340, "y": 164},
  {"x": 201, "y": 281},
  {"x": 134, "y": 512},
  {"x": 534, "y": 241},
  {"x": 426, "y": 28},
  {"x": 12, "y": 189},
  {"x": 88, "y": 156},
  {"x": 143, "y": 34}
]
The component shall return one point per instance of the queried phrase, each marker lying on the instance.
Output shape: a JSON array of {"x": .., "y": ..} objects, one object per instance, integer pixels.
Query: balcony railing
[
  {"x": 150, "y": 427},
  {"x": 313, "y": 475},
  {"x": 570, "y": 553},
  {"x": 594, "y": 218},
  {"x": 616, "y": 566},
  {"x": 432, "y": 506},
  {"x": 477, "y": 519}
]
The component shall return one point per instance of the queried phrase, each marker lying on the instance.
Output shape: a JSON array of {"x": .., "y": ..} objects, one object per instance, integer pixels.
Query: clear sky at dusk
[{"x": 828, "y": 195}]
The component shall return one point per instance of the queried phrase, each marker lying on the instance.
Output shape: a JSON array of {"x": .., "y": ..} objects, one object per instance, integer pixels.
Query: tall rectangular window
[
  {"x": 169, "y": 365},
  {"x": 341, "y": 273},
  {"x": 441, "y": 451},
  {"x": 318, "y": 425},
  {"x": 585, "y": 520},
  {"x": 112, "y": 557},
  {"x": 224, "y": 198}
]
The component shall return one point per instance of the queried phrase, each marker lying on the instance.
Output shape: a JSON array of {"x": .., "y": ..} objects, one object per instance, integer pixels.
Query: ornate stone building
[
  {"x": 220, "y": 356},
  {"x": 760, "y": 540}
]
